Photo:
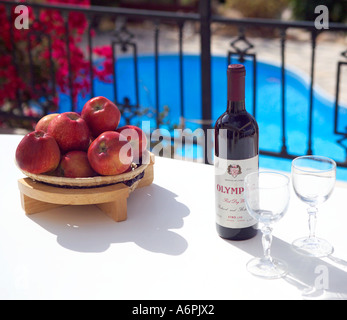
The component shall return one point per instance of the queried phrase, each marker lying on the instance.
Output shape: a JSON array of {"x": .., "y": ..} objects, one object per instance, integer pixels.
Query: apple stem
[
  {"x": 102, "y": 147},
  {"x": 39, "y": 134}
]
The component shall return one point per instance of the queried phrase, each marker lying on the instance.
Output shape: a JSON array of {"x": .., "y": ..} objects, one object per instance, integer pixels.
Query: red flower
[{"x": 17, "y": 68}]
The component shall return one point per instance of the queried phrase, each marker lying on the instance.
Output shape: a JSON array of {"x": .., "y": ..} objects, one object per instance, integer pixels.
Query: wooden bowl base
[{"x": 112, "y": 200}]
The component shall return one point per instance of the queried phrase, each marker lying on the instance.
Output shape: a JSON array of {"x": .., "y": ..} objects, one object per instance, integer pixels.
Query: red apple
[
  {"x": 137, "y": 139},
  {"x": 75, "y": 164},
  {"x": 70, "y": 131},
  {"x": 38, "y": 153},
  {"x": 101, "y": 115},
  {"x": 45, "y": 121},
  {"x": 110, "y": 154}
]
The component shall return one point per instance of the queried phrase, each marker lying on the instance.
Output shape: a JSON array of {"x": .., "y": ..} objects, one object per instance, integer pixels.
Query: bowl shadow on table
[
  {"x": 150, "y": 221},
  {"x": 316, "y": 278}
]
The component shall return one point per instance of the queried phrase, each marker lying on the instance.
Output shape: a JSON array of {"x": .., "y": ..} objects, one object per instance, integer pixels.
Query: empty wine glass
[
  {"x": 267, "y": 199},
  {"x": 313, "y": 181}
]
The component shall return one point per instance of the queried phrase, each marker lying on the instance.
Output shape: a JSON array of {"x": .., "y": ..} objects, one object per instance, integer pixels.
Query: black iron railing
[
  {"x": 283, "y": 27},
  {"x": 124, "y": 39}
]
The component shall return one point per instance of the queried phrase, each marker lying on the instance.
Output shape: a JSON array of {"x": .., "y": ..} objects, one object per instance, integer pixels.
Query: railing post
[
  {"x": 283, "y": 92},
  {"x": 205, "y": 45},
  {"x": 310, "y": 125}
]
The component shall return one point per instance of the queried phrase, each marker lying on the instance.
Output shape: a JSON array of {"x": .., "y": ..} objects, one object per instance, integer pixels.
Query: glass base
[
  {"x": 313, "y": 247},
  {"x": 268, "y": 269}
]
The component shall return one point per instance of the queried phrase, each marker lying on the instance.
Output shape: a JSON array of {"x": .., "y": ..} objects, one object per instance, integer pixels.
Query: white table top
[{"x": 168, "y": 247}]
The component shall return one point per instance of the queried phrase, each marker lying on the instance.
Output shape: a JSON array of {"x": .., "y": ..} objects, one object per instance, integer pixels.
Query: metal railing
[{"x": 204, "y": 18}]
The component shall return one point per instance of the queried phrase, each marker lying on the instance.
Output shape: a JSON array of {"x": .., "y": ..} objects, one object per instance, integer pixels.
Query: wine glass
[
  {"x": 267, "y": 199},
  {"x": 313, "y": 181}
]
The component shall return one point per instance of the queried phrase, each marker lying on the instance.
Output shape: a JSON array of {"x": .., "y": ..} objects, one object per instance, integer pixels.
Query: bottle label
[{"x": 231, "y": 211}]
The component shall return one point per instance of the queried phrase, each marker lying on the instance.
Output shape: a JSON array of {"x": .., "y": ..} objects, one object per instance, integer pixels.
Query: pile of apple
[{"x": 79, "y": 146}]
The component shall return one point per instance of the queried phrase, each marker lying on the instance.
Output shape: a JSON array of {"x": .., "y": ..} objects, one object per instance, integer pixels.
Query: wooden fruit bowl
[{"x": 109, "y": 193}]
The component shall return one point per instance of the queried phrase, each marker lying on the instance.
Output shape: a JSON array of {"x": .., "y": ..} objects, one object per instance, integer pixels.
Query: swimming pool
[{"x": 268, "y": 102}]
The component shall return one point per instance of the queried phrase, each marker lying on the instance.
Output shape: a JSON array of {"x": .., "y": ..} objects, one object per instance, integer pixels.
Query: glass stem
[
  {"x": 267, "y": 240},
  {"x": 312, "y": 220}
]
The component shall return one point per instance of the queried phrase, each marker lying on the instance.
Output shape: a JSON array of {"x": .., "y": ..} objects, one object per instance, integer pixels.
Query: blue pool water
[{"x": 268, "y": 102}]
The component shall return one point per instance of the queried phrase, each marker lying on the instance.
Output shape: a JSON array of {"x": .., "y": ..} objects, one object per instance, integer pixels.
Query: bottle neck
[
  {"x": 236, "y": 106},
  {"x": 236, "y": 88}
]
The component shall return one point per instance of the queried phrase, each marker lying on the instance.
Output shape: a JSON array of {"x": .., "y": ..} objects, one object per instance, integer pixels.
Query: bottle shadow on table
[
  {"x": 316, "y": 278},
  {"x": 153, "y": 214}
]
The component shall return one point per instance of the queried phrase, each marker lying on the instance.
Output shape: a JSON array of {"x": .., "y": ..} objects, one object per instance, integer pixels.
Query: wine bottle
[{"x": 236, "y": 155}]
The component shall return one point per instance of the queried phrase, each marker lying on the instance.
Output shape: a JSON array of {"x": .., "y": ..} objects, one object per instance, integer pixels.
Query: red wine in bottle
[{"x": 236, "y": 155}]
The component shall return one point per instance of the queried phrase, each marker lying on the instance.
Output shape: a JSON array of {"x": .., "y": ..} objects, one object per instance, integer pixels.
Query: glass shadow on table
[
  {"x": 151, "y": 218},
  {"x": 316, "y": 278}
]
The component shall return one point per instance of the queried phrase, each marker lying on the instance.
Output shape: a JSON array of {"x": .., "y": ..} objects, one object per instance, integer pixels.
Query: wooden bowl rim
[{"x": 93, "y": 181}]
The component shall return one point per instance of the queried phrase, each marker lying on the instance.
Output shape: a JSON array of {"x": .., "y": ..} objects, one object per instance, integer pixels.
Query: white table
[{"x": 167, "y": 249}]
